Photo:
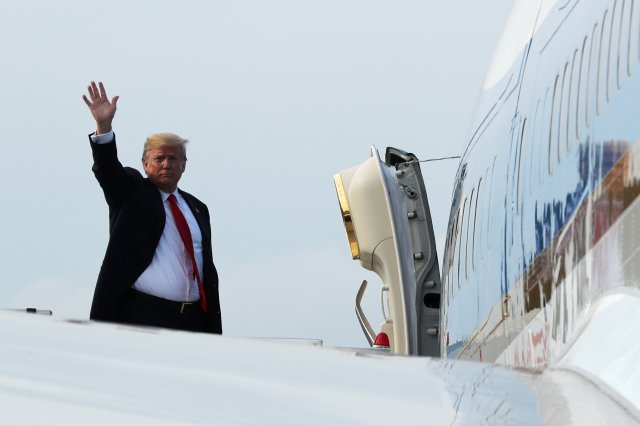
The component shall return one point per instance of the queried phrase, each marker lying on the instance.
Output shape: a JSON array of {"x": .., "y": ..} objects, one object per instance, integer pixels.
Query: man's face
[{"x": 164, "y": 167}]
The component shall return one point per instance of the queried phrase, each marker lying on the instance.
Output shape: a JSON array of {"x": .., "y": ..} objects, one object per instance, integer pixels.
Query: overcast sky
[{"x": 276, "y": 97}]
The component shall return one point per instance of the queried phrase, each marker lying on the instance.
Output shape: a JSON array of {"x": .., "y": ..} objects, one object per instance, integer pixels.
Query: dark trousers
[{"x": 143, "y": 309}]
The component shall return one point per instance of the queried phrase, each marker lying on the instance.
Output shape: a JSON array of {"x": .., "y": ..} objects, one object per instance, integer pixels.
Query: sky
[{"x": 276, "y": 97}]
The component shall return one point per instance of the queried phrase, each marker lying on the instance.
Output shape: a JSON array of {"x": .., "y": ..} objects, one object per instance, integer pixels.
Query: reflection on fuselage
[{"x": 544, "y": 202}]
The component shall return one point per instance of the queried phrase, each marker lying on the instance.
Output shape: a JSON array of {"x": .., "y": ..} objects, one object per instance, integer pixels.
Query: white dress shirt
[{"x": 170, "y": 274}]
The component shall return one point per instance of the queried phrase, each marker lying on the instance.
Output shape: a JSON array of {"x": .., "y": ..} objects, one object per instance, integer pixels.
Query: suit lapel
[{"x": 158, "y": 208}]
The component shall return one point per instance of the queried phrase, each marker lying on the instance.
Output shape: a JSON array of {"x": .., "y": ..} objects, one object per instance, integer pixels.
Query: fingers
[
  {"x": 98, "y": 94},
  {"x": 94, "y": 90},
  {"x": 92, "y": 95},
  {"x": 103, "y": 93}
]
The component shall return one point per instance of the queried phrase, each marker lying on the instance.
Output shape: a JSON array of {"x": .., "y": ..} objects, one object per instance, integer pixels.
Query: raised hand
[{"x": 102, "y": 110}]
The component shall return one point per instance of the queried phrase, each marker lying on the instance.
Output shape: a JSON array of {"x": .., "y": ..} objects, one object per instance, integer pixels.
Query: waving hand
[{"x": 102, "y": 110}]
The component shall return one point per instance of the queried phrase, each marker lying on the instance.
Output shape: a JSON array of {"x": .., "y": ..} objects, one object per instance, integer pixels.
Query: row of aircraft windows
[
  {"x": 580, "y": 89},
  {"x": 466, "y": 233},
  {"x": 588, "y": 79}
]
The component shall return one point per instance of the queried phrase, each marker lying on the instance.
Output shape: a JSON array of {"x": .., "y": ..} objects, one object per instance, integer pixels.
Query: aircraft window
[
  {"x": 613, "y": 50},
  {"x": 533, "y": 157},
  {"x": 448, "y": 245},
  {"x": 592, "y": 65},
  {"x": 632, "y": 29},
  {"x": 485, "y": 207},
  {"x": 489, "y": 212},
  {"x": 446, "y": 264},
  {"x": 452, "y": 247},
  {"x": 469, "y": 232},
  {"x": 602, "y": 62},
  {"x": 450, "y": 250},
  {"x": 623, "y": 42},
  {"x": 574, "y": 99},
  {"x": 553, "y": 125},
  {"x": 545, "y": 128},
  {"x": 519, "y": 172},
  {"x": 460, "y": 233},
  {"x": 581, "y": 87},
  {"x": 447, "y": 250},
  {"x": 453, "y": 236},
  {"x": 475, "y": 229},
  {"x": 565, "y": 111}
]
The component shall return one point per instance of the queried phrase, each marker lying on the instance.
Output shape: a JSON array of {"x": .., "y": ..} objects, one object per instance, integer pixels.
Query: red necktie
[{"x": 185, "y": 234}]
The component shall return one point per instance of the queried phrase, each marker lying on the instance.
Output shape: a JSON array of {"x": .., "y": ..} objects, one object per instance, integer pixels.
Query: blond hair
[{"x": 160, "y": 140}]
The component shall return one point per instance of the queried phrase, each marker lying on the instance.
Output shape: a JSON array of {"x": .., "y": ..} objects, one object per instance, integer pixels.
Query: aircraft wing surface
[{"x": 56, "y": 371}]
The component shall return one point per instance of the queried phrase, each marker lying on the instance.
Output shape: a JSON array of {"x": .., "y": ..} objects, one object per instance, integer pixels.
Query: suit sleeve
[{"x": 115, "y": 180}]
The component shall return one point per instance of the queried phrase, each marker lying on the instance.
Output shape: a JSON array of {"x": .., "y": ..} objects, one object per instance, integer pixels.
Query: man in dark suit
[{"x": 158, "y": 268}]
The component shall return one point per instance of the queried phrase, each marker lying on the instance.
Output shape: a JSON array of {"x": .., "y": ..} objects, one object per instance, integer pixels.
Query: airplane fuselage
[{"x": 545, "y": 215}]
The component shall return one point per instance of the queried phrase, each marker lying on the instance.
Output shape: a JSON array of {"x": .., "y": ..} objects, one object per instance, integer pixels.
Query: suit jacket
[{"x": 136, "y": 223}]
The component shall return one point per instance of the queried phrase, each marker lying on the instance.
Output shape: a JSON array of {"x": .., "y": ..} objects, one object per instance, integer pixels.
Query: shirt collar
[{"x": 165, "y": 195}]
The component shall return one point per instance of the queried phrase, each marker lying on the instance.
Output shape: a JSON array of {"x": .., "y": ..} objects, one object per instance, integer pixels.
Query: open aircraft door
[{"x": 386, "y": 215}]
